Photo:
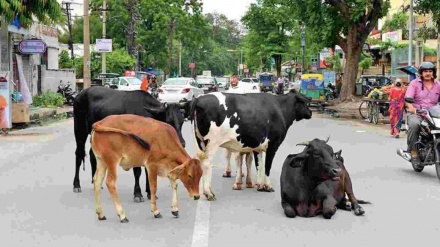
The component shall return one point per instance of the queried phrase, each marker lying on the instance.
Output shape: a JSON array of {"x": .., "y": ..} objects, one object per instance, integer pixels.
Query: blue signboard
[{"x": 329, "y": 77}]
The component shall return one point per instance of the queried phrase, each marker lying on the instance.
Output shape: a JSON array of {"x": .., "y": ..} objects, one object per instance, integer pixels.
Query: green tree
[
  {"x": 64, "y": 60},
  {"x": 397, "y": 21},
  {"x": 344, "y": 23},
  {"x": 271, "y": 23},
  {"x": 45, "y": 11}
]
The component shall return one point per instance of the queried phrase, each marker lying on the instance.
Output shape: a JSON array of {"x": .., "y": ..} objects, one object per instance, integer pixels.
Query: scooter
[
  {"x": 427, "y": 146},
  {"x": 67, "y": 92}
]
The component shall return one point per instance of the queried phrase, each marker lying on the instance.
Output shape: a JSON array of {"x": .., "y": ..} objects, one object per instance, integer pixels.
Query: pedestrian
[
  {"x": 234, "y": 81},
  {"x": 3, "y": 117},
  {"x": 397, "y": 103},
  {"x": 144, "y": 85}
]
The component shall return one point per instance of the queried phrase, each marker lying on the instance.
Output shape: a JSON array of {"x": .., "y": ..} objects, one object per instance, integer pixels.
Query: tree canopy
[{"x": 45, "y": 11}]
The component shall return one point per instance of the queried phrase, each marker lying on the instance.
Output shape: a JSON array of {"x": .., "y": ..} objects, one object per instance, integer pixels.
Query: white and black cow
[{"x": 245, "y": 123}]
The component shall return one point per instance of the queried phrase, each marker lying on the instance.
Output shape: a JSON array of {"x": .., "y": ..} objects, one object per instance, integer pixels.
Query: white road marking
[{"x": 201, "y": 225}]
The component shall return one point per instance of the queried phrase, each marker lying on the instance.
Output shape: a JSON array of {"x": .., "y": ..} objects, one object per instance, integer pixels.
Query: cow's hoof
[
  {"x": 359, "y": 211},
  {"x": 210, "y": 197},
  {"x": 265, "y": 188},
  {"x": 249, "y": 185},
  {"x": 175, "y": 214},
  {"x": 77, "y": 190},
  {"x": 237, "y": 187},
  {"x": 158, "y": 216},
  {"x": 124, "y": 220},
  {"x": 139, "y": 199},
  {"x": 227, "y": 174},
  {"x": 327, "y": 215},
  {"x": 348, "y": 206},
  {"x": 102, "y": 218}
]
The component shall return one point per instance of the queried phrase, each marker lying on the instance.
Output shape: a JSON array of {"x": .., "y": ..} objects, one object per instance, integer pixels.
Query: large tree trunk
[
  {"x": 278, "y": 64},
  {"x": 352, "y": 53}
]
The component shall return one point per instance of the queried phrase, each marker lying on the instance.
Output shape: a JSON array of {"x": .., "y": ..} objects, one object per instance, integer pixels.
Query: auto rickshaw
[
  {"x": 266, "y": 82},
  {"x": 312, "y": 85}
]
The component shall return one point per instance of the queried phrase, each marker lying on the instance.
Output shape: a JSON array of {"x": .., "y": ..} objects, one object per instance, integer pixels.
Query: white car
[
  {"x": 126, "y": 83},
  {"x": 179, "y": 90},
  {"x": 246, "y": 85}
]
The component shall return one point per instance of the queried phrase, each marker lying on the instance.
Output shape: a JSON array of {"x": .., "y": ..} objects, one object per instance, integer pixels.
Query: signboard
[
  {"x": 104, "y": 45},
  {"x": 32, "y": 46},
  {"x": 192, "y": 65},
  {"x": 129, "y": 73},
  {"x": 5, "y": 101},
  {"x": 392, "y": 36},
  {"x": 329, "y": 77}
]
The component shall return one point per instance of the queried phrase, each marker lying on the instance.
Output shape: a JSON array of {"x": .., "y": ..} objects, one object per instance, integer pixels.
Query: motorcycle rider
[{"x": 425, "y": 91}]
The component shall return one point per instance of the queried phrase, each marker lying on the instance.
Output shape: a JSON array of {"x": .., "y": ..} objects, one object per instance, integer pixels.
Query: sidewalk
[{"x": 38, "y": 113}]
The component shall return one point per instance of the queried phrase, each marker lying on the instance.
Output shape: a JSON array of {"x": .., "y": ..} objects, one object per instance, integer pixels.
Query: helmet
[{"x": 428, "y": 66}]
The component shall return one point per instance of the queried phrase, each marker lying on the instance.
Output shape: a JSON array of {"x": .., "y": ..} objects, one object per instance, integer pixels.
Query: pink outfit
[{"x": 423, "y": 99}]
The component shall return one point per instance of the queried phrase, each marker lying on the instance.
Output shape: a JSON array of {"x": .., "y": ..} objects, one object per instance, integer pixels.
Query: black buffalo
[
  {"x": 315, "y": 182},
  {"x": 96, "y": 103},
  {"x": 245, "y": 123}
]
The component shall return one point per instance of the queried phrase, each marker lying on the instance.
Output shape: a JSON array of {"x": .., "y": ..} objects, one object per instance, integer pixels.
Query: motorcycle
[
  {"x": 427, "y": 146},
  {"x": 67, "y": 93}
]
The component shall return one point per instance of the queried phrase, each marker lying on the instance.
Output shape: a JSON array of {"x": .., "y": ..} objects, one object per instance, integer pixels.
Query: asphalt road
[{"x": 38, "y": 206}]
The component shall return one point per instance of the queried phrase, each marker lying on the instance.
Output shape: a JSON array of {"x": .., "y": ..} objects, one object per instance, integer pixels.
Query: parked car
[
  {"x": 179, "y": 90},
  {"x": 126, "y": 83},
  {"x": 247, "y": 85},
  {"x": 208, "y": 83},
  {"x": 223, "y": 82},
  {"x": 103, "y": 79}
]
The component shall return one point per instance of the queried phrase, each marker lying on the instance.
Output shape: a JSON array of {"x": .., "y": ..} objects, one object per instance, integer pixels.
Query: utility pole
[
  {"x": 86, "y": 77},
  {"x": 69, "y": 25},
  {"x": 411, "y": 29},
  {"x": 104, "y": 20},
  {"x": 180, "y": 58},
  {"x": 303, "y": 45},
  {"x": 170, "y": 45}
]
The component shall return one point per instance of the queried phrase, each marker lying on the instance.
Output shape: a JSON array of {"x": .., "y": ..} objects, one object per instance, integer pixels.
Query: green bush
[{"x": 48, "y": 99}]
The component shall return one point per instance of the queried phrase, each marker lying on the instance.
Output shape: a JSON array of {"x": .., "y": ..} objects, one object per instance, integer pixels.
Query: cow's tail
[
  {"x": 142, "y": 142},
  {"x": 363, "y": 202},
  {"x": 193, "y": 116}
]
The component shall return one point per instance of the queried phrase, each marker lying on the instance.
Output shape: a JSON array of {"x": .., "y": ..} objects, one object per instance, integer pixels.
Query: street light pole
[
  {"x": 241, "y": 61},
  {"x": 411, "y": 27},
  {"x": 104, "y": 15},
  {"x": 303, "y": 45},
  {"x": 86, "y": 36}
]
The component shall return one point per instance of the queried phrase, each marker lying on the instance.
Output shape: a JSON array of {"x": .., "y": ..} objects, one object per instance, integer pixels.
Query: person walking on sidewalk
[
  {"x": 425, "y": 91},
  {"x": 397, "y": 102},
  {"x": 3, "y": 117}
]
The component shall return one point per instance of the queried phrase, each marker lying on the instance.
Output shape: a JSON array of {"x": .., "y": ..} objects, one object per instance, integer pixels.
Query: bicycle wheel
[
  {"x": 370, "y": 107},
  {"x": 376, "y": 113},
  {"x": 363, "y": 109}
]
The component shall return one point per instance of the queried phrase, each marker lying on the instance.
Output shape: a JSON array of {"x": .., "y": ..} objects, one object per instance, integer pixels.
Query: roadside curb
[{"x": 38, "y": 114}]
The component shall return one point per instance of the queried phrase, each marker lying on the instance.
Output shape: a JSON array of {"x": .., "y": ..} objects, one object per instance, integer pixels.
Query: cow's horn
[
  {"x": 303, "y": 144},
  {"x": 328, "y": 138}
]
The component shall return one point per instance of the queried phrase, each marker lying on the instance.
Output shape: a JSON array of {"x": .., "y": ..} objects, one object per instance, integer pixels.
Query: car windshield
[
  {"x": 134, "y": 81},
  {"x": 204, "y": 80},
  {"x": 175, "y": 81}
]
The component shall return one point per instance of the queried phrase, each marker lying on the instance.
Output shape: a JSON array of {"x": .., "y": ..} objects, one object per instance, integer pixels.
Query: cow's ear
[
  {"x": 174, "y": 174},
  {"x": 295, "y": 160},
  {"x": 338, "y": 154}
]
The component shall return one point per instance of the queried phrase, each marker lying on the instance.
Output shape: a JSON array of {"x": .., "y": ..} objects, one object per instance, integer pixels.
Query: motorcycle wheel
[{"x": 420, "y": 168}]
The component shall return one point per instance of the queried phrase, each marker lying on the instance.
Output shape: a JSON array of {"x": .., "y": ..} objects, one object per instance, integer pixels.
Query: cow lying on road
[
  {"x": 316, "y": 181},
  {"x": 245, "y": 123},
  {"x": 96, "y": 103},
  {"x": 129, "y": 141}
]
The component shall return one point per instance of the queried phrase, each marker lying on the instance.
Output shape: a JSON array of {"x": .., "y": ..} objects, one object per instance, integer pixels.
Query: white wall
[{"x": 50, "y": 79}]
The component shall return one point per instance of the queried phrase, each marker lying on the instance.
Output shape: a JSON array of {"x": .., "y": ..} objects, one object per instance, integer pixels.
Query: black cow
[
  {"x": 245, "y": 123},
  {"x": 316, "y": 181},
  {"x": 96, "y": 103}
]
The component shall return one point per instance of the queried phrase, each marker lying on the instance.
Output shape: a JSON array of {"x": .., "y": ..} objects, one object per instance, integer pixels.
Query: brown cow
[{"x": 130, "y": 139}]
